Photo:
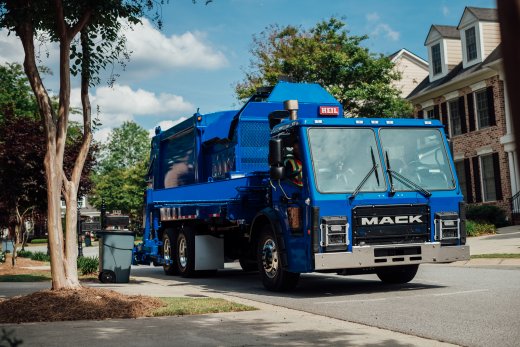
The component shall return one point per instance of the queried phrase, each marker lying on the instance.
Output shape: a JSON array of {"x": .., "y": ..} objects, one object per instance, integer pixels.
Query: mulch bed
[
  {"x": 75, "y": 304},
  {"x": 85, "y": 303}
]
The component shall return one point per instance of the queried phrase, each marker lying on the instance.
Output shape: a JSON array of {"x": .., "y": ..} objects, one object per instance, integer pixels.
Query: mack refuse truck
[{"x": 286, "y": 185}]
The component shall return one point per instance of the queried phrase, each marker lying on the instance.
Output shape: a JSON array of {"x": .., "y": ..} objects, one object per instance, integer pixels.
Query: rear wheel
[
  {"x": 169, "y": 242},
  {"x": 271, "y": 264},
  {"x": 397, "y": 274},
  {"x": 185, "y": 258}
]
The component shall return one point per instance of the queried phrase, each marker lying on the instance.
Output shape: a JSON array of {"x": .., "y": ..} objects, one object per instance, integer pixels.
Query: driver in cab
[{"x": 293, "y": 165}]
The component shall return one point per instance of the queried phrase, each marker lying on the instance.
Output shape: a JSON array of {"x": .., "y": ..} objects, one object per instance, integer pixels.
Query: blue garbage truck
[{"x": 286, "y": 185}]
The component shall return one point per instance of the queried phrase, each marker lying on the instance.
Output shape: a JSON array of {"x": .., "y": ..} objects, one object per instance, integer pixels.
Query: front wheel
[
  {"x": 271, "y": 264},
  {"x": 397, "y": 274}
]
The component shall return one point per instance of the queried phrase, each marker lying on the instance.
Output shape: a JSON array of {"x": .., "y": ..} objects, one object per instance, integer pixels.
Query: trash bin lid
[{"x": 115, "y": 232}]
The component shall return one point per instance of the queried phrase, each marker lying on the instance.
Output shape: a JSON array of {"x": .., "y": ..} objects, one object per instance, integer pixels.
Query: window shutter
[
  {"x": 444, "y": 115},
  {"x": 498, "y": 181},
  {"x": 462, "y": 115},
  {"x": 471, "y": 112},
  {"x": 436, "y": 112},
  {"x": 467, "y": 173},
  {"x": 420, "y": 114},
  {"x": 476, "y": 178},
  {"x": 491, "y": 106}
]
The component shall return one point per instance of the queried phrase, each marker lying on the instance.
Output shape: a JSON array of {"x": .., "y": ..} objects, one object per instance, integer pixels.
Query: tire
[
  {"x": 271, "y": 264},
  {"x": 169, "y": 244},
  {"x": 107, "y": 276},
  {"x": 248, "y": 265},
  {"x": 397, "y": 274},
  {"x": 185, "y": 257}
]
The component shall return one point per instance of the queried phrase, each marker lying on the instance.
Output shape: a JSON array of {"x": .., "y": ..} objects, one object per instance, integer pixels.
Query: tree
[
  {"x": 328, "y": 55},
  {"x": 120, "y": 176},
  {"x": 22, "y": 146},
  {"x": 89, "y": 31}
]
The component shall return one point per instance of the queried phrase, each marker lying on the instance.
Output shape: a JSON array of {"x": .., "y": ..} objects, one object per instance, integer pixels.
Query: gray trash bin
[
  {"x": 7, "y": 245},
  {"x": 115, "y": 255}
]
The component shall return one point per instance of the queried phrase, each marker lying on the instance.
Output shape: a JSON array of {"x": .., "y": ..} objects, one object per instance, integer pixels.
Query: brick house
[{"x": 465, "y": 90}]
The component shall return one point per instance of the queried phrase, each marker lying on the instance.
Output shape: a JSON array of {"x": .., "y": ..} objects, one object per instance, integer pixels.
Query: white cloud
[
  {"x": 387, "y": 31},
  {"x": 11, "y": 50},
  {"x": 445, "y": 11},
  {"x": 372, "y": 17},
  {"x": 165, "y": 124},
  {"x": 122, "y": 103},
  {"x": 151, "y": 47}
]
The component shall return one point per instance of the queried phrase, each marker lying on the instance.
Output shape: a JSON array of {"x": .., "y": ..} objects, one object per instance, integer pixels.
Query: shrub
[
  {"x": 88, "y": 265},
  {"x": 39, "y": 241},
  {"x": 474, "y": 228},
  {"x": 487, "y": 214},
  {"x": 24, "y": 254},
  {"x": 40, "y": 256},
  {"x": 2, "y": 257}
]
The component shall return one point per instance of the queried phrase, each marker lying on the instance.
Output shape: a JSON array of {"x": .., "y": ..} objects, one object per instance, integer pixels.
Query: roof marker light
[
  {"x": 389, "y": 122},
  {"x": 359, "y": 122},
  {"x": 318, "y": 121},
  {"x": 374, "y": 122},
  {"x": 427, "y": 122}
]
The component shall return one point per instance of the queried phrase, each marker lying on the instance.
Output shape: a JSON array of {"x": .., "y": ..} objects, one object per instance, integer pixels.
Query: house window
[
  {"x": 482, "y": 109},
  {"x": 471, "y": 44},
  {"x": 436, "y": 59},
  {"x": 456, "y": 127},
  {"x": 461, "y": 174},
  {"x": 430, "y": 114},
  {"x": 488, "y": 178}
]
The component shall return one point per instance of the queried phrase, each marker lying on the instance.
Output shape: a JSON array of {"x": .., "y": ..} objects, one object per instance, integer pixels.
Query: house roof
[
  {"x": 403, "y": 51},
  {"x": 482, "y": 14},
  {"x": 446, "y": 31},
  {"x": 457, "y": 73}
]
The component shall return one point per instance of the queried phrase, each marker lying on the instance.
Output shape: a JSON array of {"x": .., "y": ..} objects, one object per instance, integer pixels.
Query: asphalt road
[{"x": 461, "y": 305}]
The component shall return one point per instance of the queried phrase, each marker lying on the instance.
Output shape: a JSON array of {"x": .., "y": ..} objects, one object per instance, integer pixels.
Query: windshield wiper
[
  {"x": 394, "y": 174},
  {"x": 367, "y": 176}
]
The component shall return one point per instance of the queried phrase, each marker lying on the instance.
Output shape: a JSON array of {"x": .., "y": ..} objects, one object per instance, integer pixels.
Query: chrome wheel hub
[
  {"x": 270, "y": 258},
  {"x": 183, "y": 256}
]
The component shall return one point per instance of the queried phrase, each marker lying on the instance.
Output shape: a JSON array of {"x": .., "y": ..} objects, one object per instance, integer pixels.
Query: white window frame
[
  {"x": 478, "y": 39},
  {"x": 448, "y": 102},
  {"x": 426, "y": 111},
  {"x": 481, "y": 169},
  {"x": 475, "y": 105}
]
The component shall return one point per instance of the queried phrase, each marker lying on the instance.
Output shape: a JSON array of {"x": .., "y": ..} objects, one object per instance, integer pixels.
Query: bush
[
  {"x": 40, "y": 256},
  {"x": 2, "y": 257},
  {"x": 474, "y": 228},
  {"x": 39, "y": 241},
  {"x": 487, "y": 214},
  {"x": 88, "y": 265},
  {"x": 24, "y": 254}
]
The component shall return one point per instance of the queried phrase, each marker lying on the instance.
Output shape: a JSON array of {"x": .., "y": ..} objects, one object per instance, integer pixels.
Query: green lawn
[
  {"x": 26, "y": 278},
  {"x": 496, "y": 255},
  {"x": 189, "y": 306}
]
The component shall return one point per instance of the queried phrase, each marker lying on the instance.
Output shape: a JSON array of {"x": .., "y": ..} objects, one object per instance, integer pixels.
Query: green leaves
[{"x": 328, "y": 55}]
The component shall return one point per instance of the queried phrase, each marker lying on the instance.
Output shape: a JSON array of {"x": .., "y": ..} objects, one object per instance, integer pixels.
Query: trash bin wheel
[{"x": 107, "y": 276}]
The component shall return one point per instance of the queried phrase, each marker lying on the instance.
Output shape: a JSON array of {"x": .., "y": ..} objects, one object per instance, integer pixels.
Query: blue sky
[{"x": 203, "y": 50}]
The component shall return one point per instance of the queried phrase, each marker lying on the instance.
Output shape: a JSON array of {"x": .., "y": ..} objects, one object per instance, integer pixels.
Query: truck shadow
[{"x": 247, "y": 284}]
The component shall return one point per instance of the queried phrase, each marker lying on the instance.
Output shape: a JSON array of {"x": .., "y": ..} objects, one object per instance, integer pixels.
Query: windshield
[
  {"x": 420, "y": 156},
  {"x": 342, "y": 158}
]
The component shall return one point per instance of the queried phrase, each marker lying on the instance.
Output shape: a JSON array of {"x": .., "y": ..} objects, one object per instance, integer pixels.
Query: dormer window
[
  {"x": 471, "y": 44},
  {"x": 436, "y": 59}
]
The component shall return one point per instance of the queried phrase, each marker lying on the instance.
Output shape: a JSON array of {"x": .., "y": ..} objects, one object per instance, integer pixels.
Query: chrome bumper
[{"x": 365, "y": 256}]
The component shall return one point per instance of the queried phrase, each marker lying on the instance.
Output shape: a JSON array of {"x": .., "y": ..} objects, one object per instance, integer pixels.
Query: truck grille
[{"x": 390, "y": 224}]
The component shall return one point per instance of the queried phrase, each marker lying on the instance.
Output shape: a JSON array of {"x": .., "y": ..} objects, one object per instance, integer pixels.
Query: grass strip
[
  {"x": 190, "y": 306},
  {"x": 26, "y": 277},
  {"x": 496, "y": 255}
]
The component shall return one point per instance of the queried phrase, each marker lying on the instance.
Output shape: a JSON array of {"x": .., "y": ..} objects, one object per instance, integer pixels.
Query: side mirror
[
  {"x": 275, "y": 152},
  {"x": 277, "y": 169}
]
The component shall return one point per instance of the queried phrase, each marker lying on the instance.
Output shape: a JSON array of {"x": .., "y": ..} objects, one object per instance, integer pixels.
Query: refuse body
[{"x": 115, "y": 255}]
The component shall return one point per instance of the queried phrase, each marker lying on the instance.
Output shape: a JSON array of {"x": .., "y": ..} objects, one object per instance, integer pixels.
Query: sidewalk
[{"x": 268, "y": 326}]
